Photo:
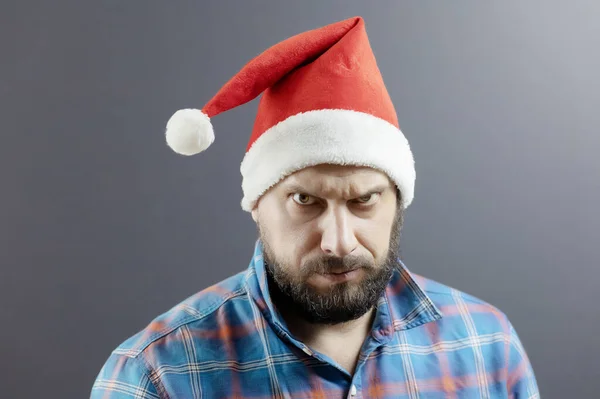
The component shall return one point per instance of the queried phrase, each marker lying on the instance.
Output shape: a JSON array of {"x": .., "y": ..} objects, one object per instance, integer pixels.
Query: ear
[{"x": 255, "y": 214}]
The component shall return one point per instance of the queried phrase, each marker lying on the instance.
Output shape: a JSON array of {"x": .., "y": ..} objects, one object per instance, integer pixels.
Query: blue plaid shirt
[{"x": 228, "y": 341}]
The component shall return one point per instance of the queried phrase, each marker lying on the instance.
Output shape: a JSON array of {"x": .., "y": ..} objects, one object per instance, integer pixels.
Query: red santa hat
[{"x": 323, "y": 101}]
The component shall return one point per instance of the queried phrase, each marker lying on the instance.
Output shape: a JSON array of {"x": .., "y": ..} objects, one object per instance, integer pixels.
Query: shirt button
[
  {"x": 353, "y": 390},
  {"x": 306, "y": 350}
]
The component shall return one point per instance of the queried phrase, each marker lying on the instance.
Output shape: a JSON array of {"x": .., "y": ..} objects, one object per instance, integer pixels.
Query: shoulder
[
  {"x": 466, "y": 309},
  {"x": 200, "y": 307},
  {"x": 470, "y": 322},
  {"x": 171, "y": 338},
  {"x": 443, "y": 292}
]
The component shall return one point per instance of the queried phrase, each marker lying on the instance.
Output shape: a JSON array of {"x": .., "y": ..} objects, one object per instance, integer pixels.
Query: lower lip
[{"x": 341, "y": 277}]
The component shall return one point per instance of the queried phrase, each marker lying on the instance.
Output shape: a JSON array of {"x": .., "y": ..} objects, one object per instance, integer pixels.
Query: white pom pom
[{"x": 189, "y": 132}]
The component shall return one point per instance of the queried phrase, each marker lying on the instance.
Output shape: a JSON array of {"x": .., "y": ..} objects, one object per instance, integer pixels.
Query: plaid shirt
[{"x": 228, "y": 341}]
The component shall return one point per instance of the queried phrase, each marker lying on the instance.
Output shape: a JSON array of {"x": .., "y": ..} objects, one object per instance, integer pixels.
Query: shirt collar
[{"x": 403, "y": 306}]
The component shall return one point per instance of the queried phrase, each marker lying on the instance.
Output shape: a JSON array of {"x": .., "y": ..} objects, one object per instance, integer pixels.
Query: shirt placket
[{"x": 377, "y": 339}]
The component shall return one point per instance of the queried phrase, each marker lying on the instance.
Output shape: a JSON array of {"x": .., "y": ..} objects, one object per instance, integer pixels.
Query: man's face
[{"x": 330, "y": 236}]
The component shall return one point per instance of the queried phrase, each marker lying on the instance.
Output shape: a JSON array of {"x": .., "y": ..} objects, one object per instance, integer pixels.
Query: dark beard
[{"x": 344, "y": 301}]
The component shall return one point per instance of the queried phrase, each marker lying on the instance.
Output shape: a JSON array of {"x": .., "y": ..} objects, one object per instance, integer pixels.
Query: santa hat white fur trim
[
  {"x": 189, "y": 132},
  {"x": 331, "y": 136}
]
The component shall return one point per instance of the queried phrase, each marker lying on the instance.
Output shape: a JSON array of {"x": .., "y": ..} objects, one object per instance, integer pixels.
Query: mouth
[
  {"x": 341, "y": 275},
  {"x": 339, "y": 271}
]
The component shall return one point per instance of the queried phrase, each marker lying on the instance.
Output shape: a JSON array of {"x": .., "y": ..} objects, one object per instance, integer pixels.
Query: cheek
[
  {"x": 291, "y": 240},
  {"x": 302, "y": 243},
  {"x": 374, "y": 236}
]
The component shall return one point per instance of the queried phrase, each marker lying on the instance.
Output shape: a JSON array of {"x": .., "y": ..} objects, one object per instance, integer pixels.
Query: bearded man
[{"x": 326, "y": 308}]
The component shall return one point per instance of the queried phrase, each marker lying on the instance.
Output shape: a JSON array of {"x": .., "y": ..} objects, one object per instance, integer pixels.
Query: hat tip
[{"x": 189, "y": 132}]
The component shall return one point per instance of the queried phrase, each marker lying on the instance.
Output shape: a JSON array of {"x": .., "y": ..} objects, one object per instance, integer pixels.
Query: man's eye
[
  {"x": 303, "y": 199},
  {"x": 367, "y": 199}
]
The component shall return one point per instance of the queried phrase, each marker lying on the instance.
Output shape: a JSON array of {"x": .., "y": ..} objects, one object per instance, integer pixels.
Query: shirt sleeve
[
  {"x": 521, "y": 378},
  {"x": 123, "y": 377}
]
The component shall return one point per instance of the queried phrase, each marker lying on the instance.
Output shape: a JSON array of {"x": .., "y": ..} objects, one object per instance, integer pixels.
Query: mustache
[{"x": 328, "y": 264}]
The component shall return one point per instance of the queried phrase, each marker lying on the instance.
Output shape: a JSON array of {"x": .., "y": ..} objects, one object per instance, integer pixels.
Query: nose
[{"x": 338, "y": 238}]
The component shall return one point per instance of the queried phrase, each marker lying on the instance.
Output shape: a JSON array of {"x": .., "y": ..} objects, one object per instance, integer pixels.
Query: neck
[
  {"x": 342, "y": 342},
  {"x": 310, "y": 331}
]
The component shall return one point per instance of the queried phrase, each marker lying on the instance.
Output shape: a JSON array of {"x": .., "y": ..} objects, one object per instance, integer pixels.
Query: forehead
[{"x": 337, "y": 180}]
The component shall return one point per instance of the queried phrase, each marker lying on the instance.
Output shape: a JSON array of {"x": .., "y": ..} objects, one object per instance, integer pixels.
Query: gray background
[{"x": 103, "y": 227}]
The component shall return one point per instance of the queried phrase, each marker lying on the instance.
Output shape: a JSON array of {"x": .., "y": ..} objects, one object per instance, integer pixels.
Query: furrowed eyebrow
[
  {"x": 297, "y": 188},
  {"x": 375, "y": 190}
]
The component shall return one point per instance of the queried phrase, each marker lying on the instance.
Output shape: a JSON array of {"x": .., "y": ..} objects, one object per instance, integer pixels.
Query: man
[{"x": 326, "y": 309}]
